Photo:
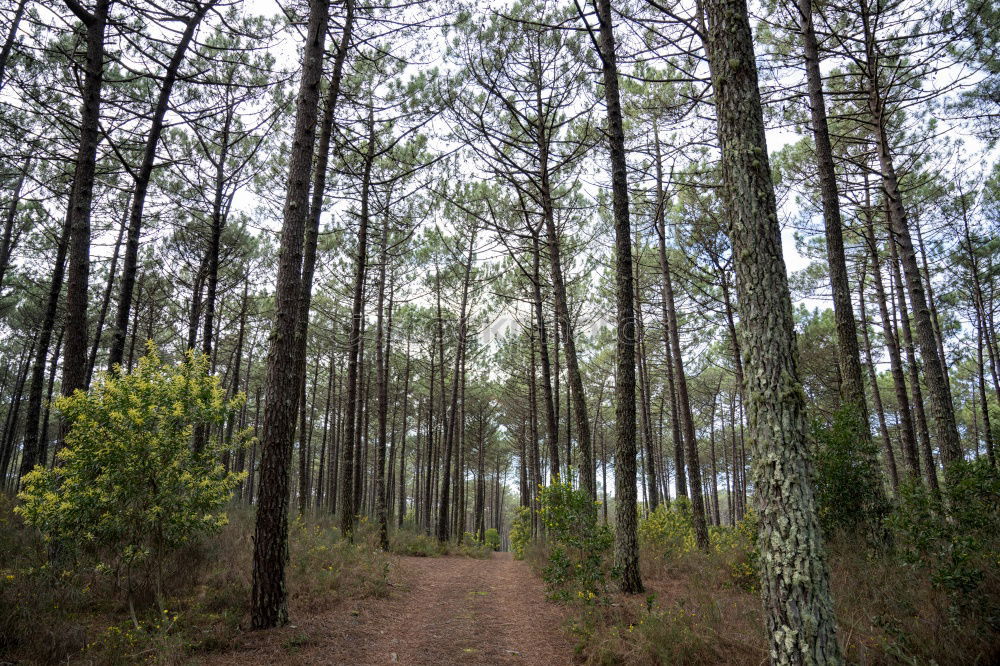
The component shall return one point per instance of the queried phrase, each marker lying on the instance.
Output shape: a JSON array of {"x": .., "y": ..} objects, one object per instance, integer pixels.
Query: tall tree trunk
[
  {"x": 135, "y": 323},
  {"x": 197, "y": 286},
  {"x": 982, "y": 330},
  {"x": 920, "y": 418},
  {"x": 32, "y": 449},
  {"x": 322, "y": 480},
  {"x": 848, "y": 354},
  {"x": 7, "y": 443},
  {"x": 533, "y": 452},
  {"x": 651, "y": 488},
  {"x": 382, "y": 352},
  {"x": 428, "y": 467},
  {"x": 794, "y": 579},
  {"x": 890, "y": 456},
  {"x": 943, "y": 412},
  {"x": 235, "y": 387},
  {"x": 551, "y": 428},
  {"x": 987, "y": 427},
  {"x": 730, "y": 481},
  {"x": 931, "y": 302},
  {"x": 106, "y": 300},
  {"x": 8, "y": 44},
  {"x": 402, "y": 436},
  {"x": 306, "y": 420},
  {"x": 253, "y": 475},
  {"x": 210, "y": 263},
  {"x": 564, "y": 321},
  {"x": 347, "y": 490},
  {"x": 219, "y": 215},
  {"x": 333, "y": 466},
  {"x": 680, "y": 480},
  {"x": 269, "y": 598},
  {"x": 443, "y": 527},
  {"x": 684, "y": 409},
  {"x": 908, "y": 440},
  {"x": 82, "y": 197},
  {"x": 311, "y": 238},
  {"x": 626, "y": 541},
  {"x": 10, "y": 218},
  {"x": 361, "y": 437},
  {"x": 43, "y": 438},
  {"x": 711, "y": 439}
]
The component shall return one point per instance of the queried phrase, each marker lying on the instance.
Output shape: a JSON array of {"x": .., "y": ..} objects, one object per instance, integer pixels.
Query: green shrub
[
  {"x": 520, "y": 532},
  {"x": 471, "y": 546},
  {"x": 957, "y": 542},
  {"x": 50, "y": 615},
  {"x": 322, "y": 565},
  {"x": 848, "y": 479},
  {"x": 738, "y": 545},
  {"x": 129, "y": 488},
  {"x": 669, "y": 530},
  {"x": 492, "y": 540},
  {"x": 578, "y": 563},
  {"x": 415, "y": 543},
  {"x": 668, "y": 534}
]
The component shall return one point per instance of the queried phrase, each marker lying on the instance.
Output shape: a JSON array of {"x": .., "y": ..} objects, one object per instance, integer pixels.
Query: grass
[
  {"x": 703, "y": 609},
  {"x": 414, "y": 542},
  {"x": 70, "y": 612},
  {"x": 51, "y": 613}
]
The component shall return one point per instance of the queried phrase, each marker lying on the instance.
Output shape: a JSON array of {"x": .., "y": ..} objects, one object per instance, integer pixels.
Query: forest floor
[{"x": 444, "y": 610}]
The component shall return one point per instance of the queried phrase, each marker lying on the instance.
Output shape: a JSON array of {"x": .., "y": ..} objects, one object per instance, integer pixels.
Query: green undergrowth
[
  {"x": 931, "y": 596},
  {"x": 75, "y": 612},
  {"x": 414, "y": 542}
]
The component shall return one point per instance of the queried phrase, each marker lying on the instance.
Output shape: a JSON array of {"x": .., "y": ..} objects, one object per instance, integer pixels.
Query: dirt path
[{"x": 452, "y": 610}]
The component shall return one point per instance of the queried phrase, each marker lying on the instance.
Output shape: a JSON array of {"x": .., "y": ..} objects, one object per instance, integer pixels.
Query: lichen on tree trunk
[{"x": 794, "y": 579}]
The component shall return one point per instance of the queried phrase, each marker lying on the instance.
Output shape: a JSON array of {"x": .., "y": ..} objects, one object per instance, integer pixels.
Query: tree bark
[
  {"x": 564, "y": 323},
  {"x": 920, "y": 418},
  {"x": 890, "y": 456},
  {"x": 382, "y": 351},
  {"x": 8, "y": 44},
  {"x": 443, "y": 527},
  {"x": 106, "y": 300},
  {"x": 219, "y": 215},
  {"x": 652, "y": 491},
  {"x": 680, "y": 479},
  {"x": 269, "y": 598},
  {"x": 32, "y": 447},
  {"x": 942, "y": 410},
  {"x": 794, "y": 579},
  {"x": 551, "y": 428},
  {"x": 7, "y": 241},
  {"x": 81, "y": 199},
  {"x": 908, "y": 440},
  {"x": 626, "y": 541},
  {"x": 684, "y": 409},
  {"x": 348, "y": 507},
  {"x": 402, "y": 437},
  {"x": 848, "y": 353}
]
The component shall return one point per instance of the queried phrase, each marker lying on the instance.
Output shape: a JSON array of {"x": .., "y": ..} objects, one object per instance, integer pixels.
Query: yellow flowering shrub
[
  {"x": 128, "y": 486},
  {"x": 669, "y": 529},
  {"x": 668, "y": 532},
  {"x": 520, "y": 532}
]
